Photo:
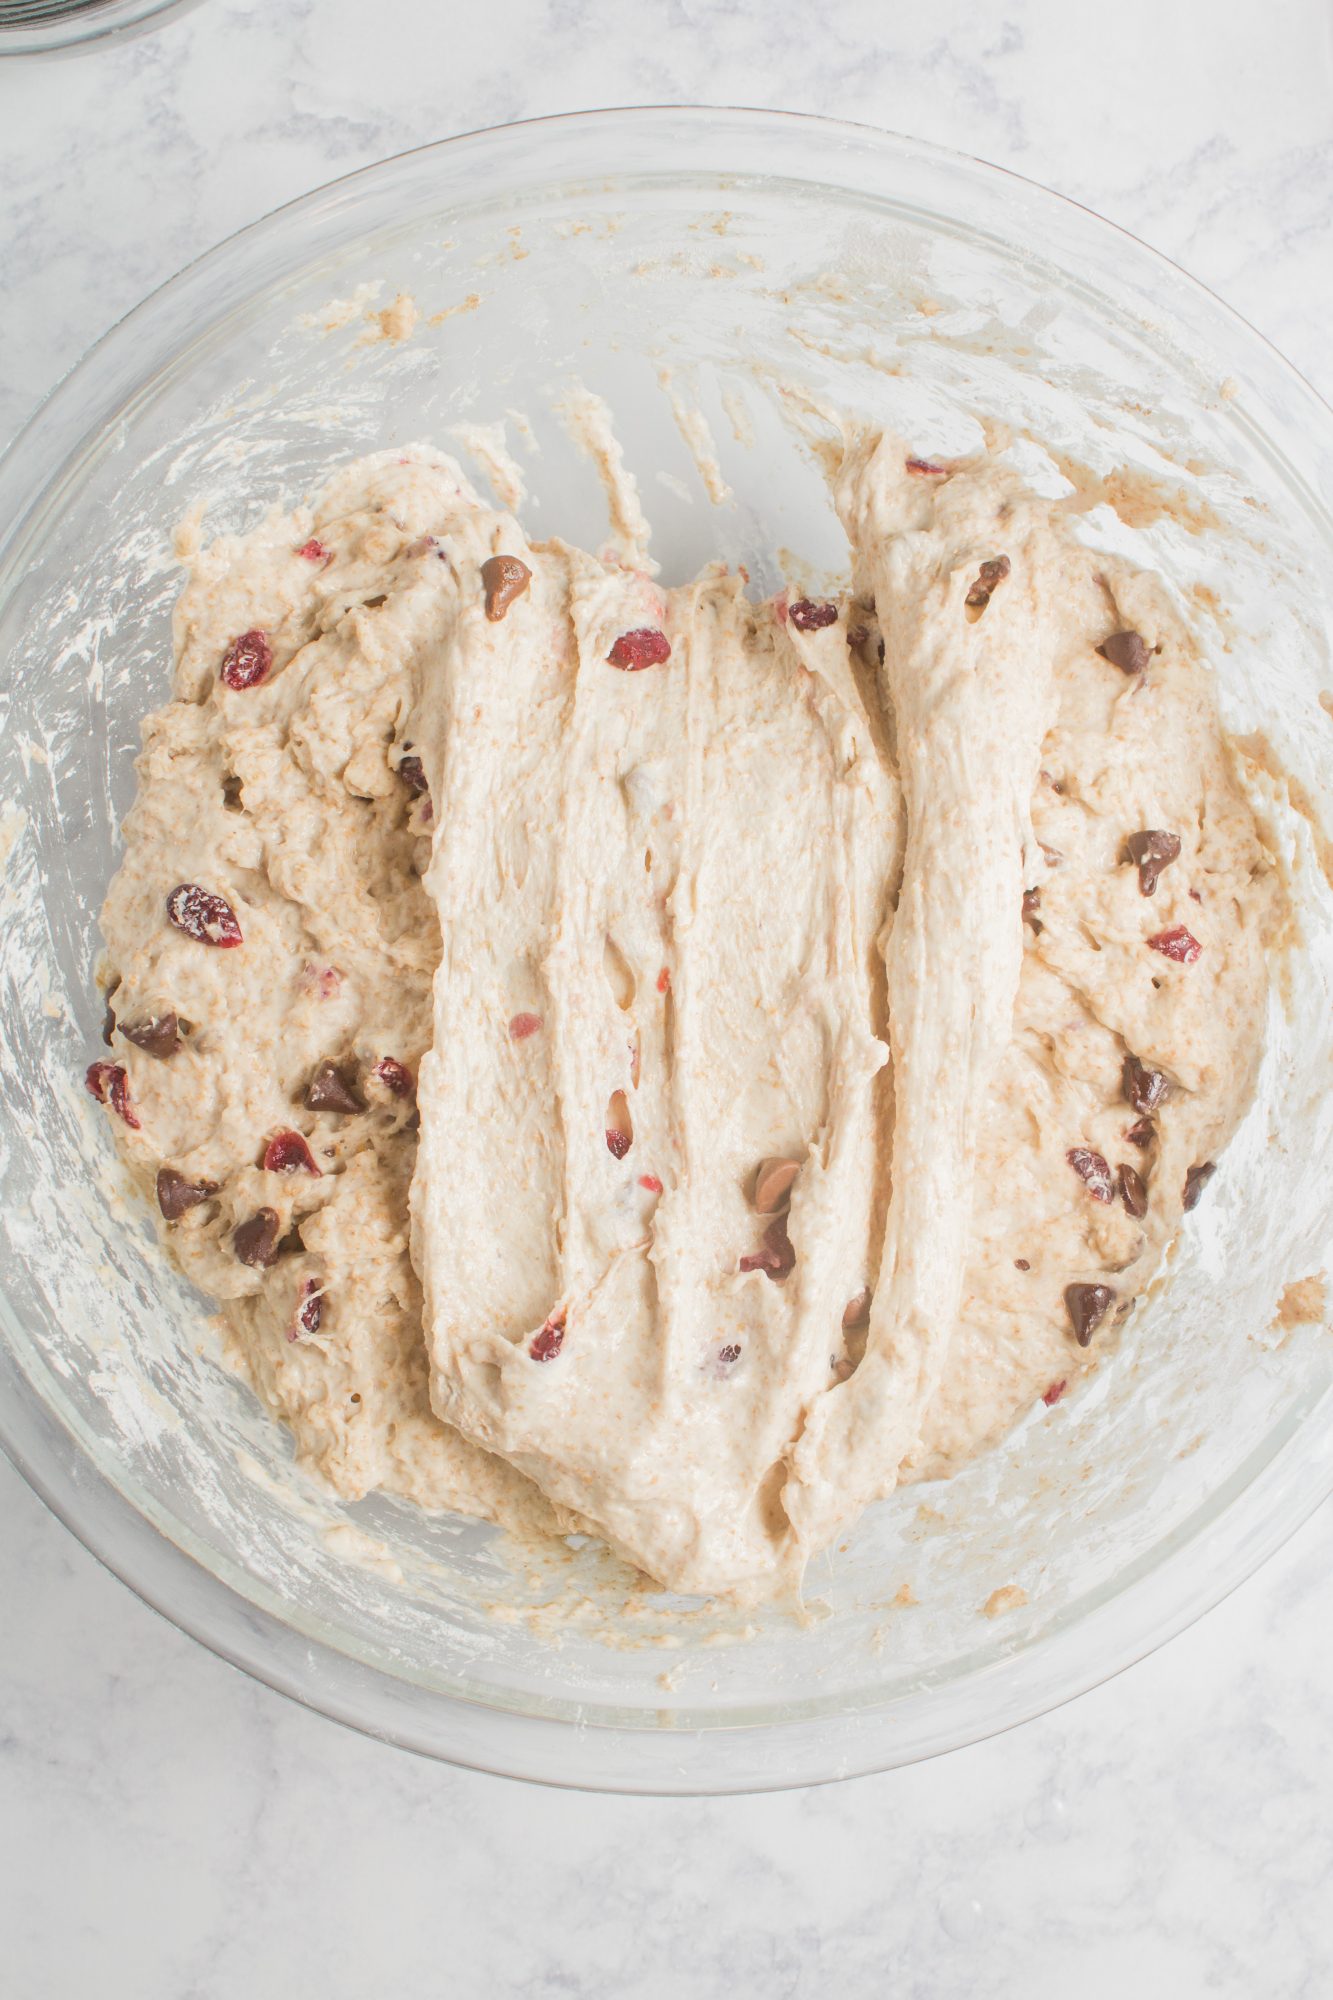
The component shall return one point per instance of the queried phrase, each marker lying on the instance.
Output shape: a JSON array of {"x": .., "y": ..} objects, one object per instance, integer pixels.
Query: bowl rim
[
  {"x": 1174, "y": 1589},
  {"x": 77, "y": 26}
]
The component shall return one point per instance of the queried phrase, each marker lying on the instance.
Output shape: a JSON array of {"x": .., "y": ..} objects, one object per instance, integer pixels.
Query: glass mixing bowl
[{"x": 755, "y": 267}]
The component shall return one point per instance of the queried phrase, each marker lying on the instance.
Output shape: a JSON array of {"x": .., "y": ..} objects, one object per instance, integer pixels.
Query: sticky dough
[{"x": 644, "y": 931}]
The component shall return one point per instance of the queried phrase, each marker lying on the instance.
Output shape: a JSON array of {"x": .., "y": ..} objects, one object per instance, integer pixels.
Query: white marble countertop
[{"x": 173, "y": 1832}]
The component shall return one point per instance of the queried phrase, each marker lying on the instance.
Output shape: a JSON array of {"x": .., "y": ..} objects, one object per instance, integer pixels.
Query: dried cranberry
[
  {"x": 331, "y": 1089},
  {"x": 548, "y": 1342},
  {"x": 617, "y": 1143},
  {"x": 256, "y": 1241},
  {"x": 1031, "y": 905},
  {"x": 651, "y": 1183},
  {"x": 248, "y": 661},
  {"x": 922, "y": 468},
  {"x": 503, "y": 578},
  {"x": 321, "y": 980},
  {"x": 1054, "y": 1393},
  {"x": 1087, "y": 1306},
  {"x": 523, "y": 1025},
  {"x": 1151, "y": 851},
  {"x": 663, "y": 980},
  {"x": 777, "y": 1256},
  {"x": 1177, "y": 943},
  {"x": 309, "y": 1309},
  {"x": 1126, "y": 650},
  {"x": 1144, "y": 1088},
  {"x": 1022, "y": 1264},
  {"x": 159, "y": 1035},
  {"x": 807, "y": 616},
  {"x": 413, "y": 774},
  {"x": 202, "y": 915},
  {"x": 1132, "y": 1190},
  {"x": 1196, "y": 1180},
  {"x": 1091, "y": 1168},
  {"x": 288, "y": 1153},
  {"x": 108, "y": 1083},
  {"x": 395, "y": 1076},
  {"x": 314, "y": 551},
  {"x": 641, "y": 648},
  {"x": 1141, "y": 1133},
  {"x": 175, "y": 1194}
]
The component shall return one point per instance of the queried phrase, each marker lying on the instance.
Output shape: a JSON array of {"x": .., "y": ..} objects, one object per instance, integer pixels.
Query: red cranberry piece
[
  {"x": 1093, "y": 1170},
  {"x": 412, "y": 772},
  {"x": 321, "y": 980},
  {"x": 1087, "y": 1306},
  {"x": 663, "y": 980},
  {"x": 288, "y": 1153},
  {"x": 175, "y": 1194},
  {"x": 395, "y": 1076},
  {"x": 202, "y": 915},
  {"x": 1144, "y": 1088},
  {"x": 922, "y": 468},
  {"x": 641, "y": 648},
  {"x": 1054, "y": 1393},
  {"x": 1196, "y": 1180},
  {"x": 778, "y": 1254},
  {"x": 332, "y": 1089},
  {"x": 1031, "y": 905},
  {"x": 309, "y": 1309},
  {"x": 256, "y": 1241},
  {"x": 617, "y": 1143},
  {"x": 1177, "y": 943},
  {"x": 1126, "y": 650},
  {"x": 314, "y": 551},
  {"x": 108, "y": 1083},
  {"x": 503, "y": 578},
  {"x": 248, "y": 661},
  {"x": 524, "y": 1025},
  {"x": 548, "y": 1343},
  {"x": 1141, "y": 1133},
  {"x": 807, "y": 616},
  {"x": 651, "y": 1183}
]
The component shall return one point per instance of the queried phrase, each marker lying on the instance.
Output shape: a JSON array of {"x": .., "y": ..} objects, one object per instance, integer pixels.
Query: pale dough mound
[{"x": 762, "y": 1014}]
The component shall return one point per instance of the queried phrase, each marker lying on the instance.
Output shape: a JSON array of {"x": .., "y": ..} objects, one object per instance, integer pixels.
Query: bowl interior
[{"x": 753, "y": 271}]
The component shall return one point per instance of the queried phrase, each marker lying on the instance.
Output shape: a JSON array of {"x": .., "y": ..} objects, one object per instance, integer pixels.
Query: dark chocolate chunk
[
  {"x": 1132, "y": 1190},
  {"x": 256, "y": 1241},
  {"x": 175, "y": 1194},
  {"x": 1087, "y": 1306},
  {"x": 332, "y": 1089},
  {"x": 1126, "y": 650},
  {"x": 1152, "y": 851},
  {"x": 158, "y": 1035}
]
